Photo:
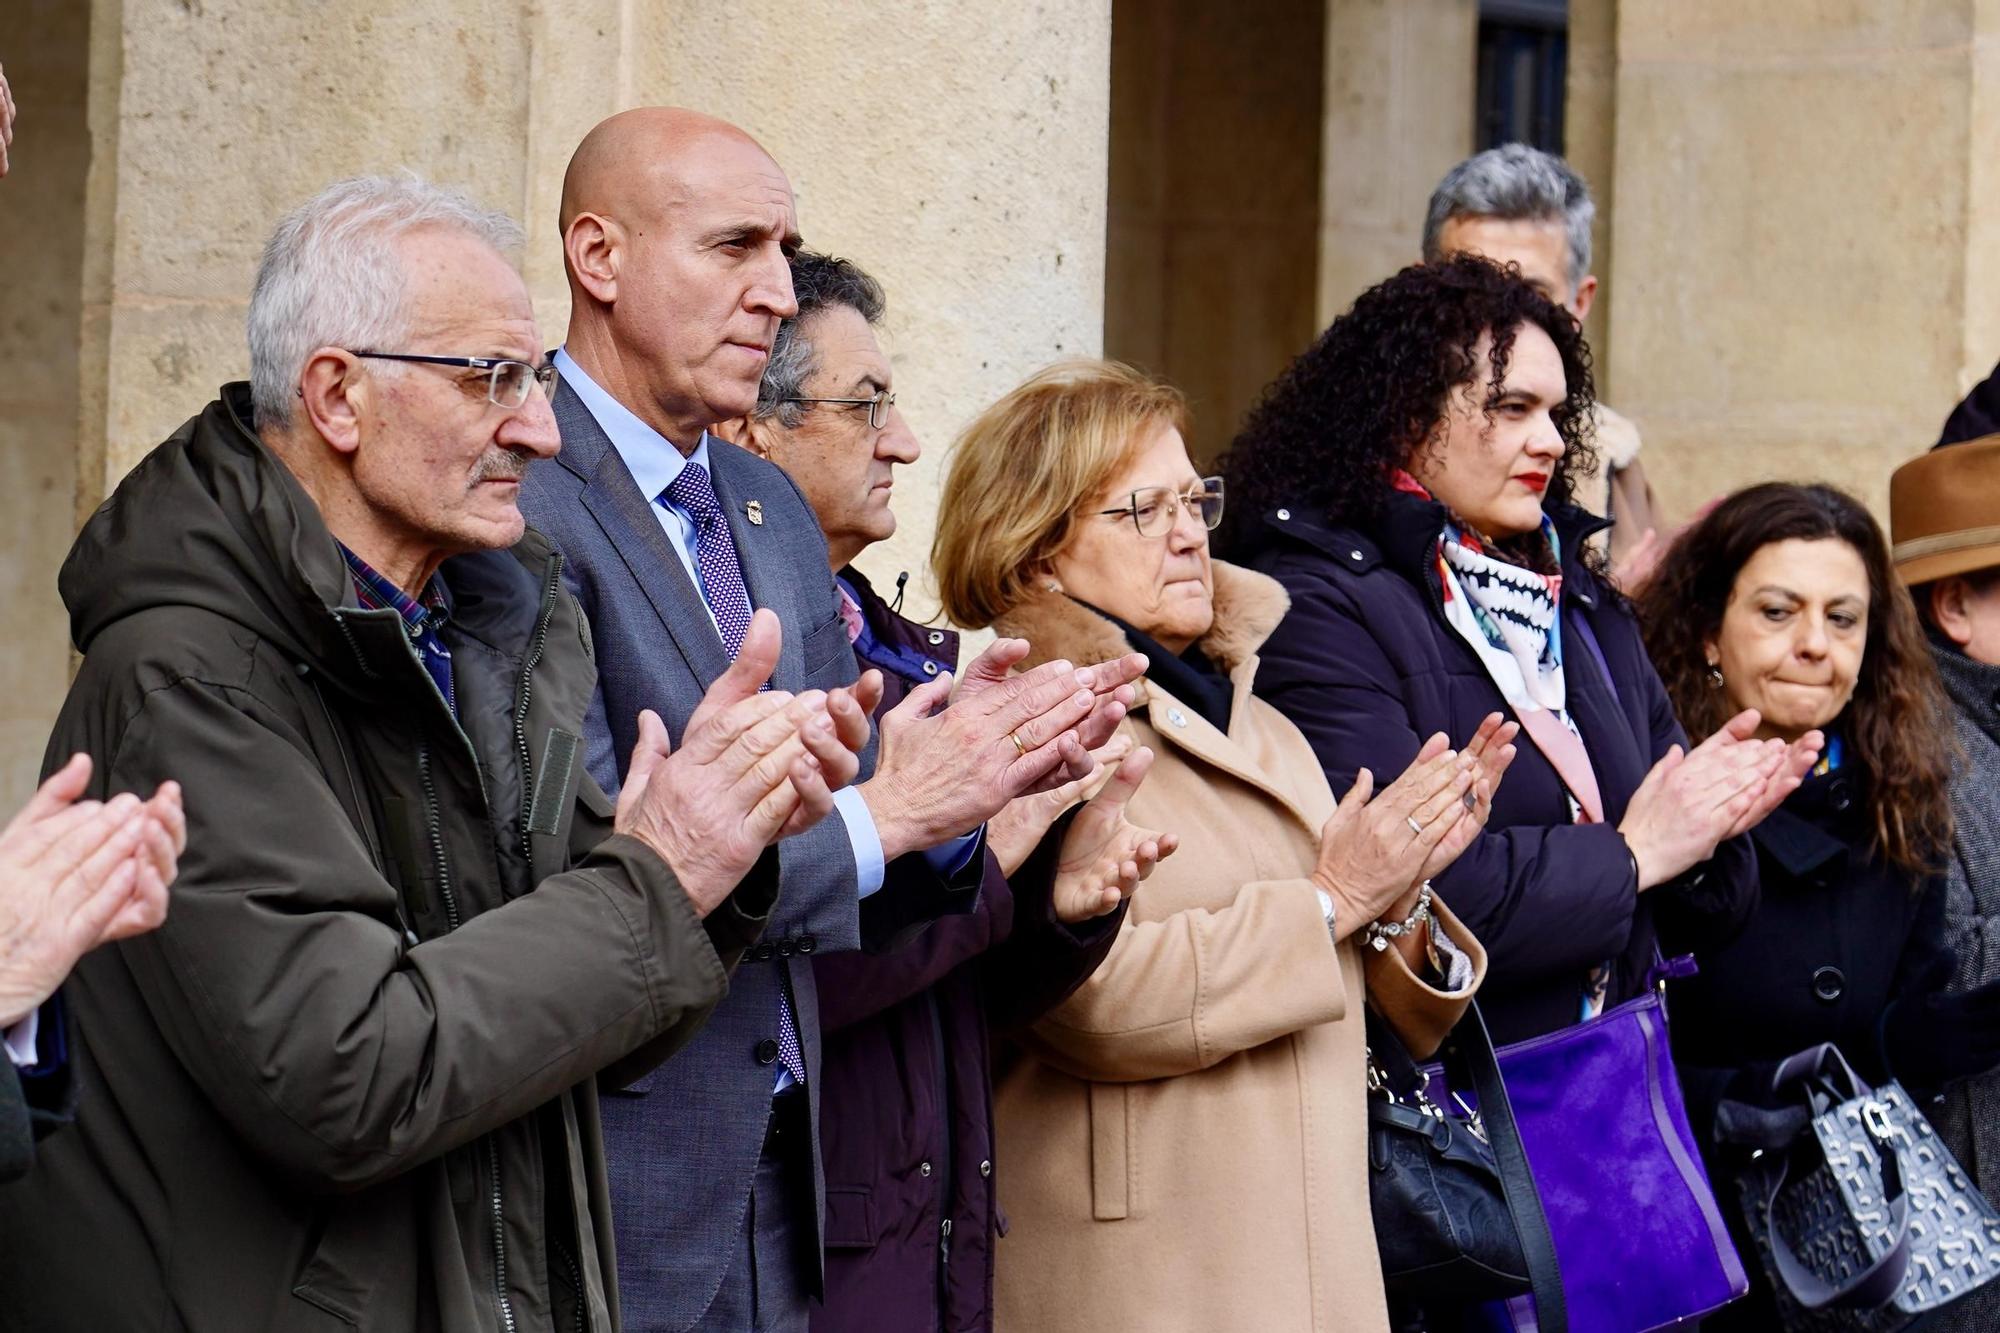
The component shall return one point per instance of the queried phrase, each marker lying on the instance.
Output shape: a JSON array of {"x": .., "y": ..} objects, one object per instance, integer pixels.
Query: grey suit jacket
[{"x": 683, "y": 1141}]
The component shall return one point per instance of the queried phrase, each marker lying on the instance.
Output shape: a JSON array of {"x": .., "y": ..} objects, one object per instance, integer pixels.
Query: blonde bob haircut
[{"x": 1022, "y": 471}]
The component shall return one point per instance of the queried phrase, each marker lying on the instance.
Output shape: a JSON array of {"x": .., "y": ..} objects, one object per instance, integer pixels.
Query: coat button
[
  {"x": 1840, "y": 795},
  {"x": 986, "y": 1168},
  {"x": 762, "y": 953},
  {"x": 784, "y": 948},
  {"x": 930, "y": 668},
  {"x": 1355, "y": 556},
  {"x": 937, "y": 637},
  {"x": 1284, "y": 515},
  {"x": 767, "y": 1051},
  {"x": 1177, "y": 717},
  {"x": 923, "y": 1168},
  {"x": 1829, "y": 984},
  {"x": 807, "y": 944}
]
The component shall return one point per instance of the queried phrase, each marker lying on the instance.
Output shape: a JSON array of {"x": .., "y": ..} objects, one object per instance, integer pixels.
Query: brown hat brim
[{"x": 1943, "y": 564}]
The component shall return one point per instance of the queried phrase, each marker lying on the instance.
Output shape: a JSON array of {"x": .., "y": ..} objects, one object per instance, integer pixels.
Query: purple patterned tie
[{"x": 729, "y": 602}]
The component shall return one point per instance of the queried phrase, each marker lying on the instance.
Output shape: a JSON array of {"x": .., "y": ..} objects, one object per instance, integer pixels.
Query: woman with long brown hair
[{"x": 1783, "y": 600}]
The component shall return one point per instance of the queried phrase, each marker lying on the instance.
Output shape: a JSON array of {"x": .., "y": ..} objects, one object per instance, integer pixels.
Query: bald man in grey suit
[{"x": 676, "y": 231}]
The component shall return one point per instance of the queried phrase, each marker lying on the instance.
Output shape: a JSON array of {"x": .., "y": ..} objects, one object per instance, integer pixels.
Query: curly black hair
[{"x": 1375, "y": 386}]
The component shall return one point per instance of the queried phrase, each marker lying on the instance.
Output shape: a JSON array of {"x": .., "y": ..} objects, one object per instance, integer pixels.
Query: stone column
[
  {"x": 956, "y": 152},
  {"x": 1807, "y": 270},
  {"x": 1399, "y": 110},
  {"x": 46, "y": 47}
]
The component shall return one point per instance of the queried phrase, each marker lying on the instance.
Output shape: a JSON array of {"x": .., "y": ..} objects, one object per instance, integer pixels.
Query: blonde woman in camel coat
[{"x": 1182, "y": 1142}]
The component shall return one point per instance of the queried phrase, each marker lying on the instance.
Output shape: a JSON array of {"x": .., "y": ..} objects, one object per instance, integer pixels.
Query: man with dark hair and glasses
[
  {"x": 351, "y": 1081},
  {"x": 905, "y": 1128}
]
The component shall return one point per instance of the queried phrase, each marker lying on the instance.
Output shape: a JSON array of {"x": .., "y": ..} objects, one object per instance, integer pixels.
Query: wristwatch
[{"x": 1326, "y": 909}]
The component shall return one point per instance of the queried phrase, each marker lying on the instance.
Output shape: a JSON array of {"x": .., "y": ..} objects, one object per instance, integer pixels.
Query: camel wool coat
[{"x": 1185, "y": 1137}]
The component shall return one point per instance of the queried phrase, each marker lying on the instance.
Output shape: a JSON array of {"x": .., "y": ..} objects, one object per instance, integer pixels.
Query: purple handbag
[{"x": 1638, "y": 1234}]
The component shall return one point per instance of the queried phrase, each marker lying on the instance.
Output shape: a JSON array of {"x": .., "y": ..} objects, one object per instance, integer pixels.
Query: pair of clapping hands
[
  {"x": 756, "y": 765},
  {"x": 75, "y": 874},
  {"x": 1375, "y": 855}
]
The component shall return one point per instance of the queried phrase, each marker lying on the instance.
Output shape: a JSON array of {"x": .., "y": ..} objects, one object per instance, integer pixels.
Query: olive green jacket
[{"x": 349, "y": 1082}]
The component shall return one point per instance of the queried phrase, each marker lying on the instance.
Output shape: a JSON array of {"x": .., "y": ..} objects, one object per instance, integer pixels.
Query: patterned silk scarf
[{"x": 1511, "y": 617}]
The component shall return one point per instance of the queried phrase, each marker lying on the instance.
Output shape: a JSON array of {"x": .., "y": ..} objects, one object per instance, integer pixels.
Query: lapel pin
[{"x": 754, "y": 511}]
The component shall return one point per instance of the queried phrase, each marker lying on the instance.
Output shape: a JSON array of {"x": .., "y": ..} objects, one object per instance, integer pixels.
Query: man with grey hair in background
[
  {"x": 350, "y": 1082},
  {"x": 1519, "y": 205}
]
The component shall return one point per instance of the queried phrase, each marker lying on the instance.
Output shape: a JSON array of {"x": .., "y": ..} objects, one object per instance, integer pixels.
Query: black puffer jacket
[{"x": 348, "y": 1084}]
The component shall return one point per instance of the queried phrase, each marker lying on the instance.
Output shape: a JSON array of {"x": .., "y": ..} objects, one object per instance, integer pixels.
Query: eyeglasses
[
  {"x": 1155, "y": 509},
  {"x": 507, "y": 382},
  {"x": 878, "y": 406}
]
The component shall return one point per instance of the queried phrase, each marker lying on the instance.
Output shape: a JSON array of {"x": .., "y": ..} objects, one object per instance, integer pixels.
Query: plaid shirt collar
[{"x": 374, "y": 591}]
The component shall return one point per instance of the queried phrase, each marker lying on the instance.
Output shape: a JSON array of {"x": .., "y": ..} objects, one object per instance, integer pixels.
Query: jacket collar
[
  {"x": 1798, "y": 836},
  {"x": 1974, "y": 687},
  {"x": 1248, "y": 606},
  {"x": 899, "y": 644},
  {"x": 1404, "y": 537}
]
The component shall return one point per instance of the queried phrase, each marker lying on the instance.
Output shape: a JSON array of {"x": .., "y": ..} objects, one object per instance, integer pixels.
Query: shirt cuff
[
  {"x": 862, "y": 837},
  {"x": 20, "y": 1041},
  {"x": 948, "y": 858},
  {"x": 1458, "y": 968}
]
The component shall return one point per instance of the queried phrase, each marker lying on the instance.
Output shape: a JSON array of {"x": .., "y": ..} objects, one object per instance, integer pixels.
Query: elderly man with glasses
[{"x": 350, "y": 1082}]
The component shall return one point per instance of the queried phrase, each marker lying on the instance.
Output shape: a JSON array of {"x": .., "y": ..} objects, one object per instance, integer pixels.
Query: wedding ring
[
  {"x": 1415, "y": 827},
  {"x": 1022, "y": 749}
]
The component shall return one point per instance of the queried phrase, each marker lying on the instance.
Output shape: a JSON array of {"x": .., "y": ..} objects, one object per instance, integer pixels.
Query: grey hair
[
  {"x": 819, "y": 282},
  {"x": 1518, "y": 184},
  {"x": 331, "y": 275}
]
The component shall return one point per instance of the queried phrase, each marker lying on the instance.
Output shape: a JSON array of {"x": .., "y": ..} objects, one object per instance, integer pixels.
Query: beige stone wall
[
  {"x": 957, "y": 152},
  {"x": 1398, "y": 114},
  {"x": 45, "y": 47},
  {"x": 1805, "y": 269},
  {"x": 1214, "y": 197}
]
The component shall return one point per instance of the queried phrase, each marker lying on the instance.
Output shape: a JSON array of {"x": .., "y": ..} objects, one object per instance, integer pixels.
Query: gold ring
[{"x": 1015, "y": 737}]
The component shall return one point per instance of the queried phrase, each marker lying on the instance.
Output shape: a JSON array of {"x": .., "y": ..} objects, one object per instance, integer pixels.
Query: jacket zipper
[
  {"x": 944, "y": 1171},
  {"x": 499, "y": 1239},
  {"x": 435, "y": 823},
  {"x": 576, "y": 1279},
  {"x": 527, "y": 694}
]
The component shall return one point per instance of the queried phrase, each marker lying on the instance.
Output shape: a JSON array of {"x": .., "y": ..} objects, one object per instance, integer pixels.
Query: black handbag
[
  {"x": 1458, "y": 1220},
  {"x": 1864, "y": 1220}
]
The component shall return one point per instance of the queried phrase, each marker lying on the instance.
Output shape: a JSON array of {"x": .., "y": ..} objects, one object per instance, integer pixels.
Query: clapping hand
[
  {"x": 753, "y": 767},
  {"x": 1104, "y": 856},
  {"x": 75, "y": 874},
  {"x": 1013, "y": 834},
  {"x": 1492, "y": 749},
  {"x": 1373, "y": 854},
  {"x": 942, "y": 772},
  {"x": 1691, "y": 802}
]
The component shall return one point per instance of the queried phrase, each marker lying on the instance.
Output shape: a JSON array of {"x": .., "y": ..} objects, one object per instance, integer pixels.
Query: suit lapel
[
  {"x": 633, "y": 529},
  {"x": 770, "y": 571}
]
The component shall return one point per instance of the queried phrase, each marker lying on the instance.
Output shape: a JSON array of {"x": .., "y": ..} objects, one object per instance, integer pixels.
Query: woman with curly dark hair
[
  {"x": 1783, "y": 600},
  {"x": 1407, "y": 480}
]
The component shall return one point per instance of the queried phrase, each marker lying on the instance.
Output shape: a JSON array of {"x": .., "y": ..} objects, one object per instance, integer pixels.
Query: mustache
[{"x": 501, "y": 465}]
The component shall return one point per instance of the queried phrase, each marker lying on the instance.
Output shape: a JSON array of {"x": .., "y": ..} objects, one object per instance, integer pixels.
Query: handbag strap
[
  {"x": 1470, "y": 1060},
  {"x": 1874, "y": 1286}
]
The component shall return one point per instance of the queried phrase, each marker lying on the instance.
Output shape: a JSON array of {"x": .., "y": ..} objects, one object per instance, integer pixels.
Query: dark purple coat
[
  {"x": 1366, "y": 666},
  {"x": 906, "y": 1118}
]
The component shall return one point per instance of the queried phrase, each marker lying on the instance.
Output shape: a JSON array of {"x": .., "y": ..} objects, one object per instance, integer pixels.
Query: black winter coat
[{"x": 1366, "y": 666}]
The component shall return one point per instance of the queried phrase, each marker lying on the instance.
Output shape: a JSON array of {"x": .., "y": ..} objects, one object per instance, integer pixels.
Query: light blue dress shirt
[{"x": 654, "y": 462}]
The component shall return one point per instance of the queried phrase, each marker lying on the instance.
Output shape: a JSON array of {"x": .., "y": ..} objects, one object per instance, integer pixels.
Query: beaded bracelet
[{"x": 1379, "y": 934}]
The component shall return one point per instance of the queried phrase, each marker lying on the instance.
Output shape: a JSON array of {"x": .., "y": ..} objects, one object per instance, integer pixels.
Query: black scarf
[{"x": 1190, "y": 676}]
